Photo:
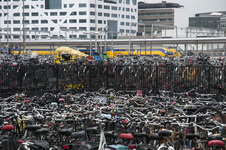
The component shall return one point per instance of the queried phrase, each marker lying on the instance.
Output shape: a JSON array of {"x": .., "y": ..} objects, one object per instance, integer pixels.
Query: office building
[
  {"x": 67, "y": 19},
  {"x": 161, "y": 16}
]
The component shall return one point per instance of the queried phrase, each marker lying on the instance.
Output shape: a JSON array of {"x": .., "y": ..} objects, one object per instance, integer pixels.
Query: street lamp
[
  {"x": 136, "y": 23},
  {"x": 111, "y": 39}
]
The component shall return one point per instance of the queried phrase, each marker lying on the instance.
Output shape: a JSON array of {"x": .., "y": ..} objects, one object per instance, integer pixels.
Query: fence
[{"x": 77, "y": 78}]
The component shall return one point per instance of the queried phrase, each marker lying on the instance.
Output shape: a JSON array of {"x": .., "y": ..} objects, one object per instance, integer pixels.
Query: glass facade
[{"x": 53, "y": 4}]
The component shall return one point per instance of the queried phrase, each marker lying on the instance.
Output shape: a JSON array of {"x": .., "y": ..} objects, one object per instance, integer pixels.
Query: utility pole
[
  {"x": 7, "y": 26},
  {"x": 95, "y": 25},
  {"x": 23, "y": 28}
]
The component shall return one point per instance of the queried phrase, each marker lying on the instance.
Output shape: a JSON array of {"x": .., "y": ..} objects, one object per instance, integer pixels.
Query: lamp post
[
  {"x": 136, "y": 23},
  {"x": 112, "y": 45}
]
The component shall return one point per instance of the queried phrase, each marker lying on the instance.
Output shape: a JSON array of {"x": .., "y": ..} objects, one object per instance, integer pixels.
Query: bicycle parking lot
[{"x": 95, "y": 105}]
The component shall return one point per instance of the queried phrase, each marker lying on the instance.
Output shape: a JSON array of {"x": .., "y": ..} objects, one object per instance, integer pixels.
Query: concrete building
[
  {"x": 67, "y": 19},
  {"x": 161, "y": 16}
]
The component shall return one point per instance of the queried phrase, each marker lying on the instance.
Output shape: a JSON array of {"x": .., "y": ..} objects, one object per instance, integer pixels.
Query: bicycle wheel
[{"x": 212, "y": 113}]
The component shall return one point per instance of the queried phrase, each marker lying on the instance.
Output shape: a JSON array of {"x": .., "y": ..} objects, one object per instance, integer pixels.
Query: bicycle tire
[{"x": 222, "y": 117}]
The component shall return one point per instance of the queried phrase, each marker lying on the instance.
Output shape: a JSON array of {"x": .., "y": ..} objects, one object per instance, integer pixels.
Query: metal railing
[{"x": 77, "y": 78}]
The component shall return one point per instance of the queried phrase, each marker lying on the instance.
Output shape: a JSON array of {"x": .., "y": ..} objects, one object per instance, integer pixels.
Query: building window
[
  {"x": 82, "y": 36},
  {"x": 134, "y": 2},
  {"x": 44, "y": 29},
  {"x": 120, "y": 1},
  {"x": 131, "y": 9},
  {"x": 100, "y": 6},
  {"x": 16, "y": 21},
  {"x": 82, "y": 5},
  {"x": 119, "y": 8},
  {"x": 92, "y": 13},
  {"x": 35, "y": 29},
  {"x": 46, "y": 13},
  {"x": 99, "y": 21},
  {"x": 92, "y": 21},
  {"x": 16, "y": 36},
  {"x": 72, "y": 21},
  {"x": 34, "y": 14},
  {"x": 26, "y": 6},
  {"x": 73, "y": 36},
  {"x": 63, "y": 13},
  {"x": 14, "y": 6},
  {"x": 42, "y": 6},
  {"x": 99, "y": 14},
  {"x": 127, "y": 23},
  {"x": 82, "y": 20},
  {"x": 44, "y": 21},
  {"x": 132, "y": 17},
  {"x": 54, "y": 21},
  {"x": 65, "y": 21},
  {"x": 122, "y": 16},
  {"x": 106, "y": 15},
  {"x": 16, "y": 14},
  {"x": 73, "y": 28},
  {"x": 9, "y": 22},
  {"x": 123, "y": 9},
  {"x": 0, "y": 14},
  {"x": 121, "y": 30},
  {"x": 82, "y": 28},
  {"x": 127, "y": 9},
  {"x": 71, "y": 5},
  {"x": 26, "y": 21},
  {"x": 127, "y": 31},
  {"x": 127, "y": 1},
  {"x": 114, "y": 15},
  {"x": 53, "y": 13},
  {"x": 106, "y": 7},
  {"x": 104, "y": 21},
  {"x": 113, "y": 8},
  {"x": 74, "y": 13},
  {"x": 65, "y": 5},
  {"x": 92, "y": 28},
  {"x": 53, "y": 4},
  {"x": 34, "y": 21},
  {"x": 122, "y": 23},
  {"x": 92, "y": 5},
  {"x": 127, "y": 16},
  {"x": 16, "y": 29},
  {"x": 9, "y": 7},
  {"x": 82, "y": 13}
]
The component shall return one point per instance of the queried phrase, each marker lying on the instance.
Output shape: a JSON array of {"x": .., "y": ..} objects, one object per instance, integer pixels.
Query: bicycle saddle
[
  {"x": 109, "y": 133},
  {"x": 42, "y": 131},
  {"x": 164, "y": 133},
  {"x": 78, "y": 134},
  {"x": 66, "y": 132},
  {"x": 92, "y": 129},
  {"x": 126, "y": 136},
  {"x": 217, "y": 143},
  {"x": 8, "y": 128},
  {"x": 156, "y": 137}
]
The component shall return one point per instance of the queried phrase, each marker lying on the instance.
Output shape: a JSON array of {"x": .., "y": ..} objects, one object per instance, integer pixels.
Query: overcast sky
[{"x": 196, "y": 6}]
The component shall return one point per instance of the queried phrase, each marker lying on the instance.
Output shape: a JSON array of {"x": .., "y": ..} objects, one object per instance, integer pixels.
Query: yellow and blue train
[{"x": 160, "y": 51}]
